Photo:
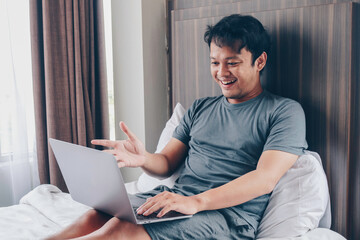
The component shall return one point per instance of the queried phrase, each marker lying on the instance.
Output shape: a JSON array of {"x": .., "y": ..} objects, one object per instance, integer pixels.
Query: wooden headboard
[{"x": 314, "y": 59}]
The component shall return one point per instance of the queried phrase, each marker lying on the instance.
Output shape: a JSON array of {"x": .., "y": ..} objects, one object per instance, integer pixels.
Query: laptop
[{"x": 94, "y": 179}]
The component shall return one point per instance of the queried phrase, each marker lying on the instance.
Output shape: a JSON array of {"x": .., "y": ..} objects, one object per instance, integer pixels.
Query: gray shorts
[{"x": 204, "y": 225}]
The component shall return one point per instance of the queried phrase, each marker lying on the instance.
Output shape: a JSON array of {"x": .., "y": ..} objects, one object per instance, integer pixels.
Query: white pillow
[
  {"x": 299, "y": 200},
  {"x": 147, "y": 182}
]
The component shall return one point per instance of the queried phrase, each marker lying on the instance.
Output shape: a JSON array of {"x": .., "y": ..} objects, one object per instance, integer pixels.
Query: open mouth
[{"x": 228, "y": 82}]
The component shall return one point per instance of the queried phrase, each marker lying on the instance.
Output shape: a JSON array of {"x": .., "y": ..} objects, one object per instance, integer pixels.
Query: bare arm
[
  {"x": 132, "y": 153},
  {"x": 271, "y": 167},
  {"x": 168, "y": 160}
]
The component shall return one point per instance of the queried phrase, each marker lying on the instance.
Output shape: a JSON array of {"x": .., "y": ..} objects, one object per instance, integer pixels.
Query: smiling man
[{"x": 234, "y": 147}]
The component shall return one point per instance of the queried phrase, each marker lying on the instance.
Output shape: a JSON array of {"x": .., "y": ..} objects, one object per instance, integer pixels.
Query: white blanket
[
  {"x": 42, "y": 212},
  {"x": 46, "y": 210}
]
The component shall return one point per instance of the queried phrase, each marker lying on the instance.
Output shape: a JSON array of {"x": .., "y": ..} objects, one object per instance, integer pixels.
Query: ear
[{"x": 260, "y": 62}]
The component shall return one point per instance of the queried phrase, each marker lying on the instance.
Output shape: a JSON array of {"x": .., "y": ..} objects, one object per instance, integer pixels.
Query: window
[
  {"x": 18, "y": 169},
  {"x": 109, "y": 66},
  {"x": 16, "y": 95}
]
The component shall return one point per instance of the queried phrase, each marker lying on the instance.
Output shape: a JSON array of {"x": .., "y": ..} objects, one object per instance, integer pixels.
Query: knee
[
  {"x": 88, "y": 216},
  {"x": 119, "y": 229},
  {"x": 113, "y": 227},
  {"x": 93, "y": 218}
]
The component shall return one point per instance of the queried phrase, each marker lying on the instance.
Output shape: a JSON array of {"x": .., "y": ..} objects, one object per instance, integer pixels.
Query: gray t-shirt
[{"x": 226, "y": 140}]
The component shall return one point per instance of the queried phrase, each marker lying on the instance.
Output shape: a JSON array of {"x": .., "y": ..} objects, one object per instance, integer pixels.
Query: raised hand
[{"x": 128, "y": 153}]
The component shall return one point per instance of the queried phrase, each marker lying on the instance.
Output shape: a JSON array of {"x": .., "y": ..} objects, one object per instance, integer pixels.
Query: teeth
[{"x": 228, "y": 82}]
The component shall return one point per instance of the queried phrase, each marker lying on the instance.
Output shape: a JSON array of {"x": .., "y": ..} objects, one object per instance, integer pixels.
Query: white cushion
[
  {"x": 147, "y": 182},
  {"x": 298, "y": 202},
  {"x": 316, "y": 234}
]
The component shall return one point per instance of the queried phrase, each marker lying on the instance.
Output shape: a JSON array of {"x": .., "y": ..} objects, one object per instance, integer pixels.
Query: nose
[{"x": 223, "y": 70}]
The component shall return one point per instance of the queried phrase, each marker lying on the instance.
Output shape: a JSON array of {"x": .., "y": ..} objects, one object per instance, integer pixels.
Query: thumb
[{"x": 127, "y": 131}]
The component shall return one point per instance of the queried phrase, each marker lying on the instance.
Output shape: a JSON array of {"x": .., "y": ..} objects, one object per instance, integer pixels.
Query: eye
[
  {"x": 214, "y": 63},
  {"x": 233, "y": 63}
]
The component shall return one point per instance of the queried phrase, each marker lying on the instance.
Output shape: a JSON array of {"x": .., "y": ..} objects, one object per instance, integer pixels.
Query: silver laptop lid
[{"x": 93, "y": 178}]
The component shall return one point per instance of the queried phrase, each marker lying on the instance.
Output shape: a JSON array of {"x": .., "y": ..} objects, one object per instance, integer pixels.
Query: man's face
[{"x": 238, "y": 79}]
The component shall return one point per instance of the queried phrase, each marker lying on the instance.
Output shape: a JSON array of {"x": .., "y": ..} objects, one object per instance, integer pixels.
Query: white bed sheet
[
  {"x": 46, "y": 210},
  {"x": 42, "y": 212}
]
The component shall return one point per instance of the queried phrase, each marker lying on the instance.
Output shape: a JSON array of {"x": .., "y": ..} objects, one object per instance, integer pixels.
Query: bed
[
  {"x": 299, "y": 207},
  {"x": 321, "y": 190}
]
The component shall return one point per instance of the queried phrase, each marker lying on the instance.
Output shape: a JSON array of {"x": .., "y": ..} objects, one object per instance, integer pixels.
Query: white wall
[{"x": 139, "y": 55}]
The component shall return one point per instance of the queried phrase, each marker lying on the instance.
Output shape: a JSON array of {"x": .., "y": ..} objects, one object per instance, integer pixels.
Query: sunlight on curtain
[
  {"x": 18, "y": 166},
  {"x": 109, "y": 66}
]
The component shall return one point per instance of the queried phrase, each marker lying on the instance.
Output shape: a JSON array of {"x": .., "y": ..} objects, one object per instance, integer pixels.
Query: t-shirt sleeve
[
  {"x": 182, "y": 131},
  {"x": 287, "y": 129}
]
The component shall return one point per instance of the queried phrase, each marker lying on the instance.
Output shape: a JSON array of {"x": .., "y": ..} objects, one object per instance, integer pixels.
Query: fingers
[
  {"x": 151, "y": 208},
  {"x": 127, "y": 131},
  {"x": 164, "y": 201},
  {"x": 151, "y": 205},
  {"x": 164, "y": 211},
  {"x": 112, "y": 144},
  {"x": 104, "y": 142}
]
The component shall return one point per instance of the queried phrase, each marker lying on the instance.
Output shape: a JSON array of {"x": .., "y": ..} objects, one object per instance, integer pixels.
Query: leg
[
  {"x": 88, "y": 223},
  {"x": 119, "y": 229}
]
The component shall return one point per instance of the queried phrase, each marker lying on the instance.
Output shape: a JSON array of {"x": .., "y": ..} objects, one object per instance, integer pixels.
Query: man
[{"x": 235, "y": 148}]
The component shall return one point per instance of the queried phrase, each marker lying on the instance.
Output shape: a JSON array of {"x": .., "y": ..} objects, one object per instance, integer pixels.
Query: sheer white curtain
[{"x": 18, "y": 165}]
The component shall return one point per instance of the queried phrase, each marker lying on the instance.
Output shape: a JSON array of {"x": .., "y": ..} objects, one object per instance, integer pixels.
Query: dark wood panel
[
  {"x": 310, "y": 62},
  {"x": 186, "y": 4},
  {"x": 183, "y": 4},
  {"x": 190, "y": 9},
  {"x": 354, "y": 151},
  {"x": 187, "y": 9},
  {"x": 191, "y": 58},
  {"x": 310, "y": 65}
]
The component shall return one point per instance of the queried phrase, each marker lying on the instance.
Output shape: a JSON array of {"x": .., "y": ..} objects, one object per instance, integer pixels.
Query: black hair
[{"x": 237, "y": 31}]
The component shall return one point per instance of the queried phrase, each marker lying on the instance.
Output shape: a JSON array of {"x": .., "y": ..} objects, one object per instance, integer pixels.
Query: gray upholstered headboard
[{"x": 314, "y": 59}]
